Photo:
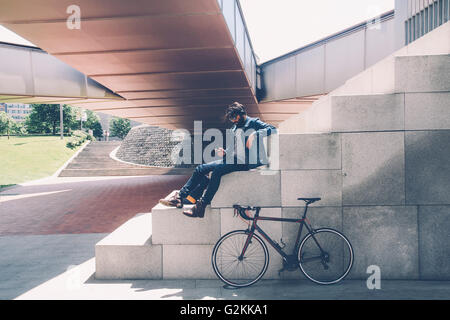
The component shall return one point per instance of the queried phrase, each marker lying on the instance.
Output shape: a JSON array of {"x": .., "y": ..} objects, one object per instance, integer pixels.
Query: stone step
[
  {"x": 254, "y": 187},
  {"x": 367, "y": 113},
  {"x": 430, "y": 73},
  {"x": 128, "y": 252},
  {"x": 188, "y": 242},
  {"x": 172, "y": 227},
  {"x": 95, "y": 153},
  {"x": 84, "y": 158},
  {"x": 105, "y": 165},
  {"x": 423, "y": 67}
]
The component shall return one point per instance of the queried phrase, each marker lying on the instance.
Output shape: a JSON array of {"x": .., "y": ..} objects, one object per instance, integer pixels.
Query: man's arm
[{"x": 260, "y": 127}]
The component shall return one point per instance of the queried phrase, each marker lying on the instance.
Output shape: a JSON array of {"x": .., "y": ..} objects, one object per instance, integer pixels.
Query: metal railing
[
  {"x": 232, "y": 12},
  {"x": 424, "y": 16}
]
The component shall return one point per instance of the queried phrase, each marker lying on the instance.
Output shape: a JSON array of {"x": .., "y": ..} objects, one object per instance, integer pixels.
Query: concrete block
[
  {"x": 128, "y": 262},
  {"x": 229, "y": 222},
  {"x": 385, "y": 236},
  {"x": 319, "y": 217},
  {"x": 422, "y": 73},
  {"x": 434, "y": 251},
  {"x": 427, "y": 167},
  {"x": 171, "y": 226},
  {"x": 187, "y": 262},
  {"x": 310, "y": 151},
  {"x": 127, "y": 253},
  {"x": 368, "y": 113},
  {"x": 319, "y": 116},
  {"x": 253, "y": 188},
  {"x": 326, "y": 184},
  {"x": 383, "y": 76},
  {"x": 427, "y": 111},
  {"x": 373, "y": 168},
  {"x": 316, "y": 119}
]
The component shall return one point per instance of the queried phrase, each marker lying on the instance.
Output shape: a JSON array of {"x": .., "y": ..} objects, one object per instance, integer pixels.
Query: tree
[
  {"x": 44, "y": 118},
  {"x": 120, "y": 127},
  {"x": 93, "y": 123},
  {"x": 6, "y": 123}
]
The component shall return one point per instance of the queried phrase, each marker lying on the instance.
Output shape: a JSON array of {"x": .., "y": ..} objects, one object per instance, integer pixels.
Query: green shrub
[{"x": 78, "y": 138}]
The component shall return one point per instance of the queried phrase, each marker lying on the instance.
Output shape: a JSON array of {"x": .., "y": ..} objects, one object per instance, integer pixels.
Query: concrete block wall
[{"x": 386, "y": 191}]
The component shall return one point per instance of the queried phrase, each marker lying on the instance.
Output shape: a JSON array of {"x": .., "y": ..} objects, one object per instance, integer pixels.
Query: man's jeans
[{"x": 218, "y": 168}]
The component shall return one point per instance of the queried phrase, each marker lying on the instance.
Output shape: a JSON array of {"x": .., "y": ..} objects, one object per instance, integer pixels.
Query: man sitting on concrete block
[{"x": 246, "y": 151}]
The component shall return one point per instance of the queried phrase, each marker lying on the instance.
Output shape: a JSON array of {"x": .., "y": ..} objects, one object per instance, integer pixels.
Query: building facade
[{"x": 17, "y": 111}]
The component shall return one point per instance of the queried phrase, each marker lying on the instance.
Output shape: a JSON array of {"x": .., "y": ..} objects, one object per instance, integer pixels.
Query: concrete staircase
[
  {"x": 376, "y": 152},
  {"x": 94, "y": 160}
]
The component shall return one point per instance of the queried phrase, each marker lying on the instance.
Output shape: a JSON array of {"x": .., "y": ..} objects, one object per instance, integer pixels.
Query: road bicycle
[{"x": 240, "y": 258}]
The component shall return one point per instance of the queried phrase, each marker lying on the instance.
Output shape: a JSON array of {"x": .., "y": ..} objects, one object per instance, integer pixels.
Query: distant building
[{"x": 17, "y": 111}]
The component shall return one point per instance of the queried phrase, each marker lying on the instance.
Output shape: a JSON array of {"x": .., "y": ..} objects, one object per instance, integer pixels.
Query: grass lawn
[{"x": 29, "y": 158}]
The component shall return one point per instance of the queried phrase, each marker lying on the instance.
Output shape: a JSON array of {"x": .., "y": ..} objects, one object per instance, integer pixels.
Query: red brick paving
[{"x": 89, "y": 207}]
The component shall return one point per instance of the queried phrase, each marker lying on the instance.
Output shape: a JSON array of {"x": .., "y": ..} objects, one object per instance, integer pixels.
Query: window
[{"x": 435, "y": 15}]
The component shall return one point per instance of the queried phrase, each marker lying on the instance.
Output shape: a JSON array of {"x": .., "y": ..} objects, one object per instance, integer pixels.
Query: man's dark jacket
[{"x": 256, "y": 155}]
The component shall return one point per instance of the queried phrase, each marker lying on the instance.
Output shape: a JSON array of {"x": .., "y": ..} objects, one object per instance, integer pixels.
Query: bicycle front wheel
[
  {"x": 325, "y": 256},
  {"x": 233, "y": 268}
]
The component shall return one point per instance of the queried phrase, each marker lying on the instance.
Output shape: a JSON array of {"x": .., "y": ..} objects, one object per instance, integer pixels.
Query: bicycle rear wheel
[
  {"x": 325, "y": 256},
  {"x": 235, "y": 270}
]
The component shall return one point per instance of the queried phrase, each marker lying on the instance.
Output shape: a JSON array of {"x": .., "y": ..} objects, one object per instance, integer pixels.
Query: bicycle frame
[{"x": 254, "y": 227}]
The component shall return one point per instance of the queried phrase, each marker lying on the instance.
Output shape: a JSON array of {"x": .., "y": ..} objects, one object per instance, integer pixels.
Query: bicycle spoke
[
  {"x": 246, "y": 270},
  {"x": 326, "y": 256}
]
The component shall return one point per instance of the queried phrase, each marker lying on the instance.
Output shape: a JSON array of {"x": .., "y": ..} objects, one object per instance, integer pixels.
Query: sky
[{"x": 277, "y": 27}]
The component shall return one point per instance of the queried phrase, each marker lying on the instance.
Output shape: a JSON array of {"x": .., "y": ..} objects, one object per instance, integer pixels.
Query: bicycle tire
[
  {"x": 336, "y": 247},
  {"x": 230, "y": 247}
]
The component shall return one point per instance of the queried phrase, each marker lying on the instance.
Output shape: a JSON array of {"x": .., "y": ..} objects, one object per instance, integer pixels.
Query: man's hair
[{"x": 234, "y": 110}]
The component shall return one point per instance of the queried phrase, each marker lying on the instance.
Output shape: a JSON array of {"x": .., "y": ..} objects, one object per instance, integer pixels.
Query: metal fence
[{"x": 424, "y": 16}]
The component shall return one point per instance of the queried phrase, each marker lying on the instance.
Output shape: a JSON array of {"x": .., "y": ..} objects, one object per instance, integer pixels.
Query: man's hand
[
  {"x": 220, "y": 152},
  {"x": 250, "y": 140}
]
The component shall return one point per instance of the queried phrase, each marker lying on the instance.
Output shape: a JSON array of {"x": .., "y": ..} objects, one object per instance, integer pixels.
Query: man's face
[{"x": 237, "y": 120}]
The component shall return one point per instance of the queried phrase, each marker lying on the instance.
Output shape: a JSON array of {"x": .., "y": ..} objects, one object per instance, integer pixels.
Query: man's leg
[
  {"x": 216, "y": 177},
  {"x": 197, "y": 192},
  {"x": 199, "y": 209},
  {"x": 198, "y": 177}
]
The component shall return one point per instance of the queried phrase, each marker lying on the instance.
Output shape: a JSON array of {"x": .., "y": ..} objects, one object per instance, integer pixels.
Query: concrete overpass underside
[{"x": 166, "y": 63}]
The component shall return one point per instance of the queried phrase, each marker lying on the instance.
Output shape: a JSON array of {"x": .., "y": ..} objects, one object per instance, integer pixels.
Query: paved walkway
[
  {"x": 48, "y": 230},
  {"x": 80, "y": 205},
  {"x": 52, "y": 224},
  {"x": 79, "y": 283}
]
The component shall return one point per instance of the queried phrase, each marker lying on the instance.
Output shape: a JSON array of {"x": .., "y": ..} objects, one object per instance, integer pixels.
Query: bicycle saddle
[{"x": 310, "y": 200}]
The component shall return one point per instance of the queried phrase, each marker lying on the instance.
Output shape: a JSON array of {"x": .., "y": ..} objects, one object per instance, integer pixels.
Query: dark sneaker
[
  {"x": 197, "y": 211},
  {"x": 174, "y": 201}
]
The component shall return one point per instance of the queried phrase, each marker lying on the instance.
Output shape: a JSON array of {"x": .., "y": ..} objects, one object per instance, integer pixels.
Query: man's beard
[{"x": 241, "y": 122}]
